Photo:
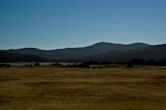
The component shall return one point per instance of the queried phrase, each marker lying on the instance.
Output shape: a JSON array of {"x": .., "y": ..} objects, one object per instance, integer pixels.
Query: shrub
[
  {"x": 129, "y": 66},
  {"x": 37, "y": 64},
  {"x": 57, "y": 64},
  {"x": 5, "y": 65}
]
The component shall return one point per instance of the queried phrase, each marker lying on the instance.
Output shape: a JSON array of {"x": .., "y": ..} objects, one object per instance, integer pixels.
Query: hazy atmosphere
[{"x": 52, "y": 24}]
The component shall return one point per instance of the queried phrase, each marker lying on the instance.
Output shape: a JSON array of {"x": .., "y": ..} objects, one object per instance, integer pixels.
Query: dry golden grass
[{"x": 82, "y": 89}]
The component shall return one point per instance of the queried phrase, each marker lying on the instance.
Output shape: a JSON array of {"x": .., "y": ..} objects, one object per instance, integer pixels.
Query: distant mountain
[
  {"x": 29, "y": 51},
  {"x": 102, "y": 51},
  {"x": 155, "y": 52},
  {"x": 15, "y": 57}
]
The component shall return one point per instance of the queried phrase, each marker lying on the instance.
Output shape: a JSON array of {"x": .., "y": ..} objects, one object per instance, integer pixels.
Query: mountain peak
[
  {"x": 101, "y": 43},
  {"x": 138, "y": 43},
  {"x": 104, "y": 44}
]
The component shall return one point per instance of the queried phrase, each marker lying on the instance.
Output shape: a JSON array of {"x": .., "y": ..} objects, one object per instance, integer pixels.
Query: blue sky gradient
[{"x": 52, "y": 24}]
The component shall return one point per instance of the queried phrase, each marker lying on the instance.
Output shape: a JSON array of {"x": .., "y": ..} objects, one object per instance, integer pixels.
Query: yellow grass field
[{"x": 49, "y": 88}]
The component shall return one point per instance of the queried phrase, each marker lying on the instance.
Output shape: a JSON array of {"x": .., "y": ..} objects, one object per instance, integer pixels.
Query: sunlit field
[{"x": 49, "y": 88}]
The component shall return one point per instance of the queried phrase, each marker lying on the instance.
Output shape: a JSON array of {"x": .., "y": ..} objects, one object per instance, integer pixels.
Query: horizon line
[{"x": 29, "y": 47}]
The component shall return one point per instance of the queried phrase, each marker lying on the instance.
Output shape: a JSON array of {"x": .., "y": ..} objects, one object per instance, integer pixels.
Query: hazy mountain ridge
[
  {"x": 6, "y": 56},
  {"x": 101, "y": 51},
  {"x": 157, "y": 53}
]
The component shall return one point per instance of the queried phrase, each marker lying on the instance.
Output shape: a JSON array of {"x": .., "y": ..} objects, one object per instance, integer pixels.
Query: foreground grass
[{"x": 82, "y": 89}]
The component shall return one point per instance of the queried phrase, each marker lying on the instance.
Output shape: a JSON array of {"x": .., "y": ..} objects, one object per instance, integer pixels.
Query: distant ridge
[
  {"x": 6, "y": 56},
  {"x": 102, "y": 51}
]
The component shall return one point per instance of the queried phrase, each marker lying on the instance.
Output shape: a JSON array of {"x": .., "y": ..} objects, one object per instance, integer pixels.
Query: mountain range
[{"x": 101, "y": 51}]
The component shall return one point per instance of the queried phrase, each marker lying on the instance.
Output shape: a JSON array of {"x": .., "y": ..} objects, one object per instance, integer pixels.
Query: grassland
[{"x": 51, "y": 88}]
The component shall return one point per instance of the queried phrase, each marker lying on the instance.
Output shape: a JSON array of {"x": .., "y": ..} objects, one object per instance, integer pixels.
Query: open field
[{"x": 51, "y": 88}]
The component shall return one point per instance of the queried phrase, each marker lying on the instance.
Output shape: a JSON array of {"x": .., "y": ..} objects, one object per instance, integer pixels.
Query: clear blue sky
[{"x": 51, "y": 24}]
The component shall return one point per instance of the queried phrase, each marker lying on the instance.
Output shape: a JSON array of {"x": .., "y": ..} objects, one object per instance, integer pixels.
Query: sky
[{"x": 52, "y": 24}]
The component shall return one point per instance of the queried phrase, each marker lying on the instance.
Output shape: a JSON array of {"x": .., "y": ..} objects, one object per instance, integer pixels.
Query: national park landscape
[{"x": 82, "y": 55}]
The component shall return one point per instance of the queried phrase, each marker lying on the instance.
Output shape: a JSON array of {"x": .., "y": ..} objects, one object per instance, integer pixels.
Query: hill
[
  {"x": 15, "y": 57},
  {"x": 156, "y": 53},
  {"x": 102, "y": 51}
]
